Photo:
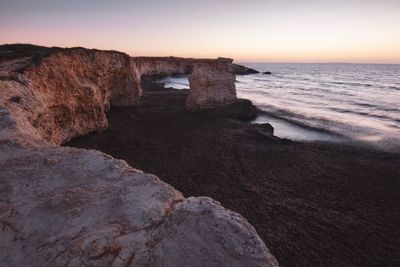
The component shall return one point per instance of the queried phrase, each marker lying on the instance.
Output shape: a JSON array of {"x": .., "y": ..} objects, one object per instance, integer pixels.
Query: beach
[{"x": 312, "y": 203}]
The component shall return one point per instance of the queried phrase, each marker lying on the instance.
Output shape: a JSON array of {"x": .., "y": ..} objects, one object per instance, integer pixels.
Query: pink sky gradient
[{"x": 251, "y": 31}]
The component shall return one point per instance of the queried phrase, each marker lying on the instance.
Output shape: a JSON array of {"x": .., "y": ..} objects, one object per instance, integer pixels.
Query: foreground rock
[
  {"x": 74, "y": 207},
  {"x": 312, "y": 204},
  {"x": 64, "y": 206}
]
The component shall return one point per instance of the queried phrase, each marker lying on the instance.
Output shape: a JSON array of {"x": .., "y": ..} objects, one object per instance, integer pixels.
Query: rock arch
[
  {"x": 72, "y": 207},
  {"x": 212, "y": 81},
  {"x": 71, "y": 91}
]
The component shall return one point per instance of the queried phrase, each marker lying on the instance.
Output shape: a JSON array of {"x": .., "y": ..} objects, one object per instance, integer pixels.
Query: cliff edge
[{"x": 73, "y": 207}]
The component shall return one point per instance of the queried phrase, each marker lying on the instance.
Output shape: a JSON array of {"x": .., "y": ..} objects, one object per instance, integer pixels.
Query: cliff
[
  {"x": 68, "y": 93},
  {"x": 66, "y": 206},
  {"x": 69, "y": 87},
  {"x": 212, "y": 82}
]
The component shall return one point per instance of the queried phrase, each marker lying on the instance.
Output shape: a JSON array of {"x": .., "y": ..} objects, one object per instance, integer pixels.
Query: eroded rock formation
[
  {"x": 72, "y": 207},
  {"x": 68, "y": 93},
  {"x": 62, "y": 206},
  {"x": 211, "y": 85},
  {"x": 212, "y": 82}
]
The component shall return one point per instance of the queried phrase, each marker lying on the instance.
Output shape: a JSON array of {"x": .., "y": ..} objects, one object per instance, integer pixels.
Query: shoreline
[
  {"x": 92, "y": 208},
  {"x": 295, "y": 126},
  {"x": 312, "y": 203}
]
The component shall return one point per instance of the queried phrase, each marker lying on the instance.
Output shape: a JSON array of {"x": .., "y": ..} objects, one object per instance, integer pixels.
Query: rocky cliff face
[
  {"x": 68, "y": 93},
  {"x": 72, "y": 207},
  {"x": 212, "y": 82},
  {"x": 211, "y": 85}
]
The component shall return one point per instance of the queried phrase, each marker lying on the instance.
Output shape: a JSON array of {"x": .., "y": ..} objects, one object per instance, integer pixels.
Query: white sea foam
[{"x": 355, "y": 101}]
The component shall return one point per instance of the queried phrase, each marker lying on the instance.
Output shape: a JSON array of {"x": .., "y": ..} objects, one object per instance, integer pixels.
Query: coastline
[
  {"x": 64, "y": 205},
  {"x": 304, "y": 103},
  {"x": 312, "y": 203}
]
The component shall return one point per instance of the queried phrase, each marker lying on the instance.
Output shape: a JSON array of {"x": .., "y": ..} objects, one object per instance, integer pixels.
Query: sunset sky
[{"x": 249, "y": 31}]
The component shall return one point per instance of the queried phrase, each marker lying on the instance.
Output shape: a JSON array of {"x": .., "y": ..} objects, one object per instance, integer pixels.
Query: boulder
[
  {"x": 242, "y": 70},
  {"x": 242, "y": 109}
]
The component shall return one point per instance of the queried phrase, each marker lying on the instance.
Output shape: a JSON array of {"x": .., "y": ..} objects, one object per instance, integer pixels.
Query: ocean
[{"x": 357, "y": 103}]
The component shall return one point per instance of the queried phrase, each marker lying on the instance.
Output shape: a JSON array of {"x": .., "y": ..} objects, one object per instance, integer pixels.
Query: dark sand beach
[{"x": 314, "y": 204}]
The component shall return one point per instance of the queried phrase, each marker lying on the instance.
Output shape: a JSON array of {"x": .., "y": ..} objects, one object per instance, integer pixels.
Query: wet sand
[{"x": 314, "y": 204}]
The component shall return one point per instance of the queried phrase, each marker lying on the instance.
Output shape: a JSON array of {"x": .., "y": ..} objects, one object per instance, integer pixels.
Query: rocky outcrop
[
  {"x": 68, "y": 93},
  {"x": 242, "y": 70},
  {"x": 211, "y": 85},
  {"x": 72, "y": 207},
  {"x": 62, "y": 206},
  {"x": 212, "y": 82}
]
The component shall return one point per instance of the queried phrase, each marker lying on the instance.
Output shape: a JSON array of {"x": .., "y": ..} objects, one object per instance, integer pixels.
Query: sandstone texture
[
  {"x": 211, "y": 85},
  {"x": 68, "y": 93},
  {"x": 212, "y": 82},
  {"x": 63, "y": 206},
  {"x": 73, "y": 207}
]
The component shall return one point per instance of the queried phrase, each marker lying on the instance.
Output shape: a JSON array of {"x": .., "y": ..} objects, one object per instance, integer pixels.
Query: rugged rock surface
[
  {"x": 313, "y": 204},
  {"x": 212, "y": 82},
  {"x": 65, "y": 206},
  {"x": 242, "y": 70},
  {"x": 242, "y": 109},
  {"x": 73, "y": 207},
  {"x": 211, "y": 85},
  {"x": 68, "y": 93}
]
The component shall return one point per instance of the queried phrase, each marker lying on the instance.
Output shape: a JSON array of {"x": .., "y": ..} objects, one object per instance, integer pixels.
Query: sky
[{"x": 359, "y": 31}]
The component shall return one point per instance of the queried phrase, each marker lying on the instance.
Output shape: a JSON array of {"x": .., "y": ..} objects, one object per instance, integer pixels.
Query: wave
[
  {"x": 346, "y": 131},
  {"x": 366, "y": 105},
  {"x": 352, "y": 101},
  {"x": 310, "y": 122},
  {"x": 366, "y": 114},
  {"x": 354, "y": 84},
  {"x": 180, "y": 83}
]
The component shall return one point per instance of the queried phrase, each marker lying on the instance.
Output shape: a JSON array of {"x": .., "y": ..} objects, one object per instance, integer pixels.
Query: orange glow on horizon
[{"x": 257, "y": 31}]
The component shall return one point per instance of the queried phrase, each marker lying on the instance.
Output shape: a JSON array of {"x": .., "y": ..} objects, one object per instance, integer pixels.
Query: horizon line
[
  {"x": 235, "y": 61},
  {"x": 304, "y": 62}
]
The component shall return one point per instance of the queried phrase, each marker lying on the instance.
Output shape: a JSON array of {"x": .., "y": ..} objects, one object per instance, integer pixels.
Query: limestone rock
[
  {"x": 212, "y": 82},
  {"x": 63, "y": 206},
  {"x": 69, "y": 92},
  {"x": 226, "y": 238},
  {"x": 211, "y": 85},
  {"x": 73, "y": 207}
]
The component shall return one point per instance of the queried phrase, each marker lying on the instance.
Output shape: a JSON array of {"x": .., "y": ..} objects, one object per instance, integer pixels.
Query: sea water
[{"x": 324, "y": 102}]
